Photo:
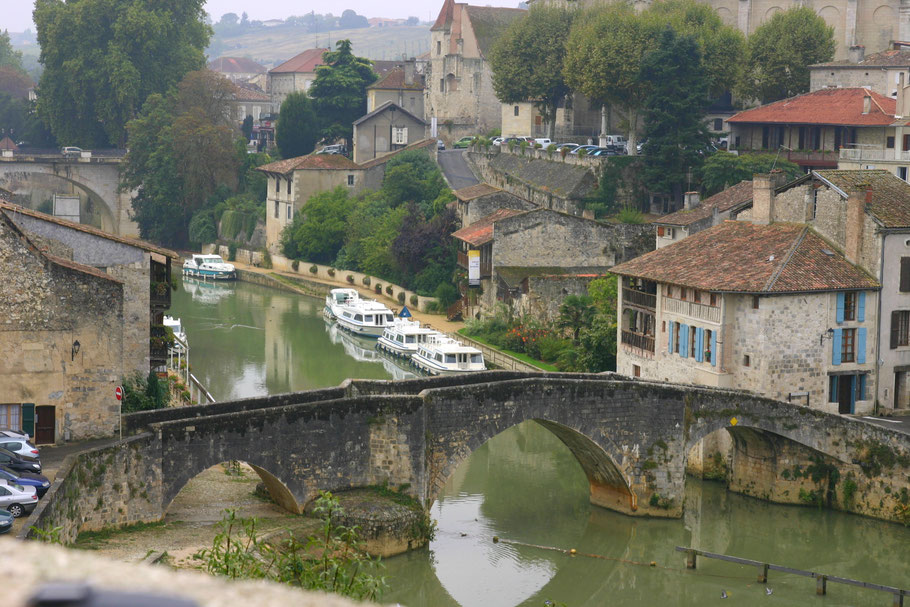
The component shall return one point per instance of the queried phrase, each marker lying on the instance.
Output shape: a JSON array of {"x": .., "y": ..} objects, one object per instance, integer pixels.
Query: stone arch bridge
[
  {"x": 97, "y": 174},
  {"x": 631, "y": 438}
]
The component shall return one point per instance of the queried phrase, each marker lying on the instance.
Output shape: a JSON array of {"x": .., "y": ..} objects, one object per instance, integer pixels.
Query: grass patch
[
  {"x": 93, "y": 540},
  {"x": 520, "y": 356}
]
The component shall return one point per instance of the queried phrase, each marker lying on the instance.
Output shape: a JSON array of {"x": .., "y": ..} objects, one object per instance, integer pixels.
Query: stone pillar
[
  {"x": 745, "y": 16},
  {"x": 850, "y": 25},
  {"x": 903, "y": 23},
  {"x": 762, "y": 199}
]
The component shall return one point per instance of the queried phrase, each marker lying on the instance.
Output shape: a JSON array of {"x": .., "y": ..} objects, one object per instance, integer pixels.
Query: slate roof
[
  {"x": 843, "y": 107},
  {"x": 890, "y": 203},
  {"x": 382, "y": 108},
  {"x": 394, "y": 79},
  {"x": 236, "y": 65},
  {"x": 8, "y": 208},
  {"x": 889, "y": 58},
  {"x": 303, "y": 63},
  {"x": 313, "y": 162},
  {"x": 480, "y": 232},
  {"x": 475, "y": 191},
  {"x": 742, "y": 257},
  {"x": 732, "y": 197},
  {"x": 490, "y": 22}
]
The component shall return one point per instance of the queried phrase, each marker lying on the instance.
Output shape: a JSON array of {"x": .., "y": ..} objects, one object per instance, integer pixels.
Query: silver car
[
  {"x": 20, "y": 447},
  {"x": 18, "y": 500},
  {"x": 15, "y": 434}
]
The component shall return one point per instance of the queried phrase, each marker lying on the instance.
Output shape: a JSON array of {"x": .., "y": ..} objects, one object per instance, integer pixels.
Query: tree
[
  {"x": 677, "y": 137},
  {"x": 575, "y": 312},
  {"x": 9, "y": 57},
  {"x": 103, "y": 59},
  {"x": 527, "y": 61},
  {"x": 723, "y": 169},
  {"x": 340, "y": 91},
  {"x": 14, "y": 82},
  {"x": 780, "y": 52},
  {"x": 318, "y": 230},
  {"x": 297, "y": 130},
  {"x": 351, "y": 20}
]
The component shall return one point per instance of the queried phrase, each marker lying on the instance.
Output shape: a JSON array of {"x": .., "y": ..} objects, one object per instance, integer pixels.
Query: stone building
[
  {"x": 402, "y": 86},
  {"x": 237, "y": 69},
  {"x": 295, "y": 74},
  {"x": 247, "y": 101},
  {"x": 81, "y": 309},
  {"x": 698, "y": 215},
  {"x": 460, "y": 94},
  {"x": 477, "y": 201},
  {"x": 762, "y": 306},
  {"x": 386, "y": 129},
  {"x": 878, "y": 71},
  {"x": 531, "y": 260},
  {"x": 872, "y": 25}
]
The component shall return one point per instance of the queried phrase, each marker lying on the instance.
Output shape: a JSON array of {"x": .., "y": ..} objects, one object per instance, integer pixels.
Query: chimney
[
  {"x": 691, "y": 200},
  {"x": 856, "y": 53},
  {"x": 899, "y": 104},
  {"x": 409, "y": 68},
  {"x": 867, "y": 103},
  {"x": 762, "y": 199},
  {"x": 856, "y": 211}
]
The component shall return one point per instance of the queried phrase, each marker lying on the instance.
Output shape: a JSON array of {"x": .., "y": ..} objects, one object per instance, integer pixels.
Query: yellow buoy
[{"x": 572, "y": 551}]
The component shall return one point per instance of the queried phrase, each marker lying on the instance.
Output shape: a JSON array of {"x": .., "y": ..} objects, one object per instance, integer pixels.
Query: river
[{"x": 525, "y": 486}]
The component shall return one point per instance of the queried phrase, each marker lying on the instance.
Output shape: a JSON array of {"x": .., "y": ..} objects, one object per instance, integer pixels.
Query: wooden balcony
[
  {"x": 639, "y": 298},
  {"x": 641, "y": 342},
  {"x": 486, "y": 269},
  {"x": 692, "y": 309}
]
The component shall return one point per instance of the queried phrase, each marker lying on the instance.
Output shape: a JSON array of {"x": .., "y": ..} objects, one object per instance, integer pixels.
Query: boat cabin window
[
  {"x": 346, "y": 314},
  {"x": 438, "y": 357},
  {"x": 358, "y": 317},
  {"x": 450, "y": 358},
  {"x": 368, "y": 318},
  {"x": 410, "y": 339},
  {"x": 389, "y": 318},
  {"x": 476, "y": 358}
]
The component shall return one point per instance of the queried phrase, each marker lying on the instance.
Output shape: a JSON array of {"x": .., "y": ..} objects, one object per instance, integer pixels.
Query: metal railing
[
  {"x": 637, "y": 340},
  {"x": 639, "y": 298},
  {"x": 692, "y": 309},
  {"x": 874, "y": 153}
]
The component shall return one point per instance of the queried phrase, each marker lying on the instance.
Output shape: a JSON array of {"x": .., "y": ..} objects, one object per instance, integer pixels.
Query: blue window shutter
[
  {"x": 714, "y": 348},
  {"x": 861, "y": 307},
  {"x": 684, "y": 341},
  {"x": 840, "y": 308},
  {"x": 670, "y": 338},
  {"x": 861, "y": 346},
  {"x": 861, "y": 387},
  {"x": 701, "y": 345},
  {"x": 836, "y": 346},
  {"x": 832, "y": 393}
]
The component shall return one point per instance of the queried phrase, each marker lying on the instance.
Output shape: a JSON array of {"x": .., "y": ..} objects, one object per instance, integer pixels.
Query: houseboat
[
  {"x": 442, "y": 355},
  {"x": 208, "y": 267},
  {"x": 174, "y": 325},
  {"x": 365, "y": 317},
  {"x": 403, "y": 337}
]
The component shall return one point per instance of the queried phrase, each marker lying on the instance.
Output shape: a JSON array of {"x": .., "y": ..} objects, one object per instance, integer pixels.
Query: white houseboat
[
  {"x": 208, "y": 267},
  {"x": 174, "y": 324},
  {"x": 403, "y": 337},
  {"x": 442, "y": 355},
  {"x": 365, "y": 317}
]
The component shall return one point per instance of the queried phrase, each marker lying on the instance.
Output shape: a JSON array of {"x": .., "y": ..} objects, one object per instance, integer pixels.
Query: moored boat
[
  {"x": 174, "y": 324},
  {"x": 208, "y": 266},
  {"x": 365, "y": 317},
  {"x": 442, "y": 355},
  {"x": 403, "y": 337}
]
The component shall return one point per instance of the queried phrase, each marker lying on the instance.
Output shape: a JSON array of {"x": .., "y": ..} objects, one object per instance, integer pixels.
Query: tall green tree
[
  {"x": 297, "y": 130},
  {"x": 340, "y": 91},
  {"x": 677, "y": 137},
  {"x": 103, "y": 58},
  {"x": 318, "y": 230},
  {"x": 723, "y": 169},
  {"x": 780, "y": 52},
  {"x": 527, "y": 61},
  {"x": 9, "y": 57},
  {"x": 576, "y": 312}
]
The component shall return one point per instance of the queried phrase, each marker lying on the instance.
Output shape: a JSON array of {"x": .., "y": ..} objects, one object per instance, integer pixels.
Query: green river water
[{"x": 525, "y": 486}]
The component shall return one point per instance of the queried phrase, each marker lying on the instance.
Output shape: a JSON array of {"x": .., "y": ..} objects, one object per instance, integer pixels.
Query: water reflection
[
  {"x": 524, "y": 485},
  {"x": 247, "y": 340}
]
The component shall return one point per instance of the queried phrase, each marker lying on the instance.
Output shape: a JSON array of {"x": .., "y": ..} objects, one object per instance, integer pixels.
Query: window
[
  {"x": 350, "y": 180},
  {"x": 900, "y": 328},
  {"x": 439, "y": 47},
  {"x": 442, "y": 85},
  {"x": 676, "y": 327},
  {"x": 850, "y": 306},
  {"x": 718, "y": 124},
  {"x": 889, "y": 143},
  {"x": 707, "y": 338},
  {"x": 905, "y": 275},
  {"x": 848, "y": 346},
  {"x": 277, "y": 185},
  {"x": 9, "y": 417},
  {"x": 714, "y": 299},
  {"x": 400, "y": 135},
  {"x": 663, "y": 326},
  {"x": 290, "y": 207},
  {"x": 693, "y": 342},
  {"x": 289, "y": 187},
  {"x": 636, "y": 371},
  {"x": 682, "y": 293},
  {"x": 755, "y": 302},
  {"x": 696, "y": 296},
  {"x": 516, "y": 110},
  {"x": 276, "y": 209},
  {"x": 902, "y": 173},
  {"x": 813, "y": 210},
  {"x": 747, "y": 362}
]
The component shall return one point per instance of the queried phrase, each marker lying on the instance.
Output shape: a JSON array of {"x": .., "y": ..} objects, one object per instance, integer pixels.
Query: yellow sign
[{"x": 734, "y": 421}]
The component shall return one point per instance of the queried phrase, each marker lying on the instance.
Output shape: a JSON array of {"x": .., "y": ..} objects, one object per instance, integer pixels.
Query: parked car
[
  {"x": 16, "y": 499},
  {"x": 71, "y": 150},
  {"x": 9, "y": 432},
  {"x": 604, "y": 152},
  {"x": 6, "y": 521},
  {"x": 26, "y": 479},
  {"x": 543, "y": 141},
  {"x": 336, "y": 148},
  {"x": 19, "y": 464},
  {"x": 587, "y": 149},
  {"x": 567, "y": 146},
  {"x": 20, "y": 447},
  {"x": 440, "y": 144},
  {"x": 617, "y": 142},
  {"x": 497, "y": 141},
  {"x": 464, "y": 142}
]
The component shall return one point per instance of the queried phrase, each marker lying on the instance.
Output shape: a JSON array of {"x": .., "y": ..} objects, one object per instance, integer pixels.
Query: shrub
[
  {"x": 552, "y": 347},
  {"x": 563, "y": 152},
  {"x": 630, "y": 215},
  {"x": 401, "y": 297},
  {"x": 232, "y": 252},
  {"x": 582, "y": 153},
  {"x": 295, "y": 264},
  {"x": 366, "y": 281},
  {"x": 414, "y": 299},
  {"x": 331, "y": 271},
  {"x": 446, "y": 294},
  {"x": 266, "y": 259},
  {"x": 378, "y": 288},
  {"x": 314, "y": 268},
  {"x": 388, "y": 290},
  {"x": 350, "y": 278}
]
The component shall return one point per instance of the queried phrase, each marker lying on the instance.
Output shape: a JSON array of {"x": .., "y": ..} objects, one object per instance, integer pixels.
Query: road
[
  {"x": 901, "y": 424},
  {"x": 456, "y": 169}
]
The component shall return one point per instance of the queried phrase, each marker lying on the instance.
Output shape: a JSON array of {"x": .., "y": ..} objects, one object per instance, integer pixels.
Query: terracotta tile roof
[
  {"x": 8, "y": 144},
  {"x": 384, "y": 66},
  {"x": 313, "y": 162},
  {"x": 446, "y": 14},
  {"x": 890, "y": 58},
  {"x": 422, "y": 144},
  {"x": 475, "y": 191},
  {"x": 394, "y": 80},
  {"x": 8, "y": 207},
  {"x": 242, "y": 93},
  {"x": 825, "y": 106},
  {"x": 481, "y": 231},
  {"x": 236, "y": 65},
  {"x": 305, "y": 62},
  {"x": 722, "y": 201},
  {"x": 742, "y": 257},
  {"x": 890, "y": 203}
]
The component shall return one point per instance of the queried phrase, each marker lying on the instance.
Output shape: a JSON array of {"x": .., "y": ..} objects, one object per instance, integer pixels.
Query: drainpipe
[{"x": 878, "y": 333}]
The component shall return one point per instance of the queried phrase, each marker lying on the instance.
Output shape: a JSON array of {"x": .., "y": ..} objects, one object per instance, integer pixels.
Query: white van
[
  {"x": 615, "y": 142},
  {"x": 543, "y": 141}
]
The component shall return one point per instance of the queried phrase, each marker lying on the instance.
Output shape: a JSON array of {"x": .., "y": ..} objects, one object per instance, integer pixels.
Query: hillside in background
[{"x": 274, "y": 45}]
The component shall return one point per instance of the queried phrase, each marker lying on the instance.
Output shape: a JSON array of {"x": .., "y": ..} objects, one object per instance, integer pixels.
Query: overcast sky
[{"x": 16, "y": 15}]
